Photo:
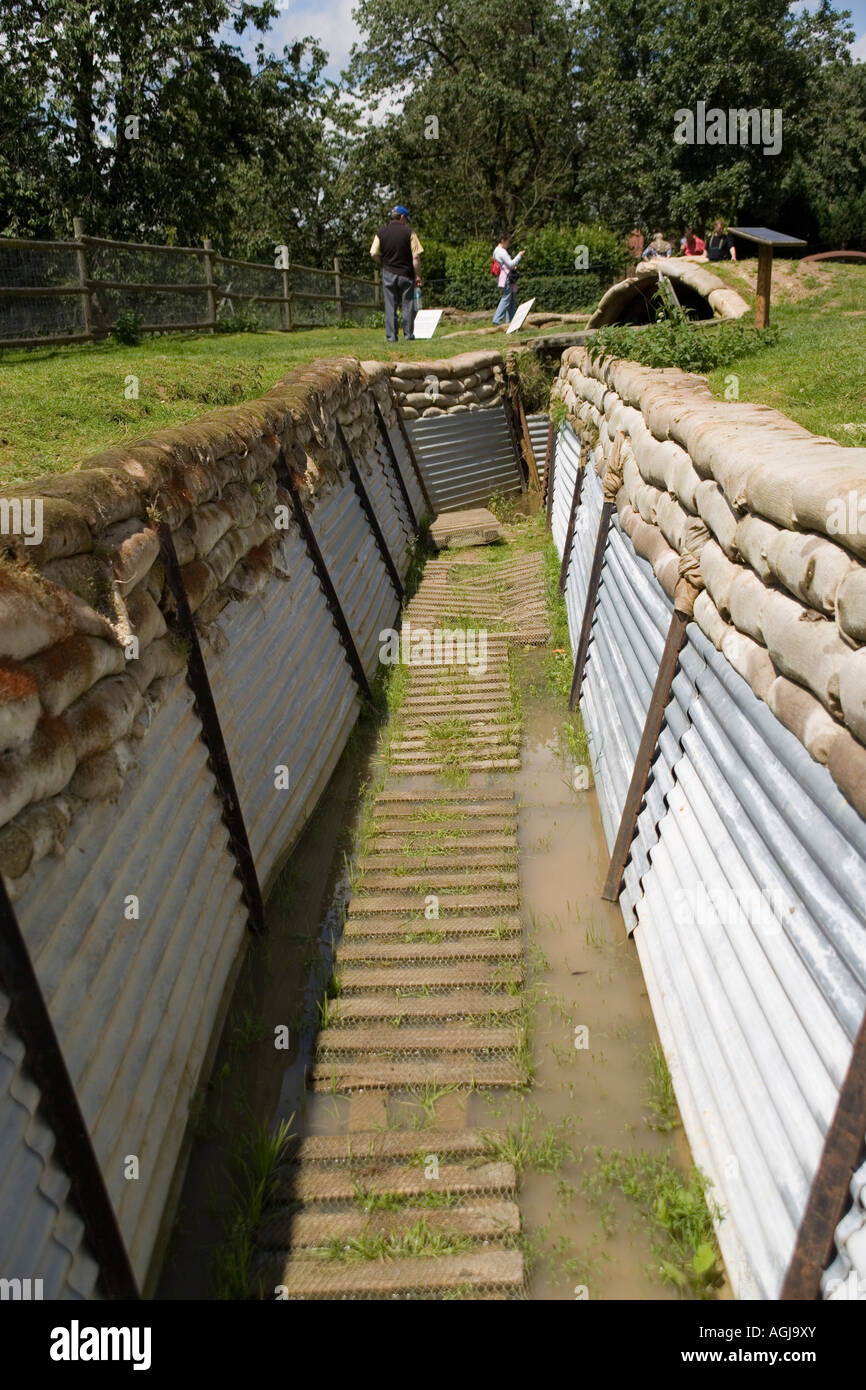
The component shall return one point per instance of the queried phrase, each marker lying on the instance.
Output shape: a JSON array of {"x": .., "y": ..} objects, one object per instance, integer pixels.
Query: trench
[{"x": 596, "y": 1110}]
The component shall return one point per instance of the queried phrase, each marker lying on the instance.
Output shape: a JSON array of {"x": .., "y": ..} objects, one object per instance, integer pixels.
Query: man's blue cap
[{"x": 400, "y": 211}]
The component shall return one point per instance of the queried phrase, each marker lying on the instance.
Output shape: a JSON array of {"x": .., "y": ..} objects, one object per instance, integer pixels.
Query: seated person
[
  {"x": 692, "y": 246},
  {"x": 657, "y": 247},
  {"x": 720, "y": 246}
]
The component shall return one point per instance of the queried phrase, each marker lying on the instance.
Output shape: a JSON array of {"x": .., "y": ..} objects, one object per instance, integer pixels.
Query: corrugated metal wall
[
  {"x": 465, "y": 457},
  {"x": 745, "y": 891},
  {"x": 41, "y": 1235},
  {"x": 134, "y": 1000},
  {"x": 135, "y": 931}
]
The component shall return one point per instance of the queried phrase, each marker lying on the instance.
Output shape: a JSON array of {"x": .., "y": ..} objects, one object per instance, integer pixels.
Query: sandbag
[
  {"x": 851, "y": 606},
  {"x": 810, "y": 567},
  {"x": 805, "y": 716}
]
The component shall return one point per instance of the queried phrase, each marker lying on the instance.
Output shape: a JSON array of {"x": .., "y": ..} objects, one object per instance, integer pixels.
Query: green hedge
[
  {"x": 459, "y": 276},
  {"x": 557, "y": 294}
]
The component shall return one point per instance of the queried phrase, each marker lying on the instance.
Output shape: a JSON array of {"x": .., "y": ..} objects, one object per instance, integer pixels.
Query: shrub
[
  {"x": 670, "y": 344},
  {"x": 126, "y": 328},
  {"x": 240, "y": 318}
]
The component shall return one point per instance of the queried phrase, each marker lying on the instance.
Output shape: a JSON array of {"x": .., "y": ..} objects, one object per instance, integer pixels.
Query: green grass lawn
[
  {"x": 57, "y": 405},
  {"x": 816, "y": 372}
]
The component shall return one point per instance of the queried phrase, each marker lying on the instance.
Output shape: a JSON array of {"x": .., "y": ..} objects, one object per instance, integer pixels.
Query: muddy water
[{"x": 586, "y": 976}]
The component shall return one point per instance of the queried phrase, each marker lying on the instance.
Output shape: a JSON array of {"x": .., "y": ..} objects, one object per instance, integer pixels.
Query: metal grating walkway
[{"x": 430, "y": 975}]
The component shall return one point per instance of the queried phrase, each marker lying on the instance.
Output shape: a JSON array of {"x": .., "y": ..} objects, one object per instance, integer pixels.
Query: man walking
[{"x": 400, "y": 251}]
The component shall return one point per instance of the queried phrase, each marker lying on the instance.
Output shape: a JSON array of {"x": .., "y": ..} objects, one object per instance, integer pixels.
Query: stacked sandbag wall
[
  {"x": 448, "y": 386},
  {"x": 746, "y": 885},
  {"x": 113, "y": 847}
]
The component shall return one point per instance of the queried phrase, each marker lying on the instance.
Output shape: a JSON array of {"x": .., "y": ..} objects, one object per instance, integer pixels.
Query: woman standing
[{"x": 506, "y": 279}]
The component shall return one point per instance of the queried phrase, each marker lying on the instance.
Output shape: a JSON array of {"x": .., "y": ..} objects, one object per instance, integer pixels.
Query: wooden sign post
[{"x": 766, "y": 240}]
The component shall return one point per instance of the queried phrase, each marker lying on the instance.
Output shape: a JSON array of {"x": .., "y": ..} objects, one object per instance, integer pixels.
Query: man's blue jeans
[
  {"x": 507, "y": 307},
  {"x": 399, "y": 293}
]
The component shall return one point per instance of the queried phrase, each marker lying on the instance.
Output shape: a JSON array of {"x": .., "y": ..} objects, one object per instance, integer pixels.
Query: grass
[
  {"x": 816, "y": 370},
  {"x": 676, "y": 1210},
  {"x": 417, "y": 1240},
  {"x": 63, "y": 403},
  {"x": 396, "y": 1201},
  {"x": 526, "y": 1151},
  {"x": 661, "y": 1102},
  {"x": 258, "y": 1155}
]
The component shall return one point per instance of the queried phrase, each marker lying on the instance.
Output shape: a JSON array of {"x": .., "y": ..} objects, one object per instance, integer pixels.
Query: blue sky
[{"x": 331, "y": 22}]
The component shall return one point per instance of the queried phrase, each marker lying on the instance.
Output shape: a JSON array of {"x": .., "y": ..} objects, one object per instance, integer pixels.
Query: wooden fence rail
[{"x": 214, "y": 288}]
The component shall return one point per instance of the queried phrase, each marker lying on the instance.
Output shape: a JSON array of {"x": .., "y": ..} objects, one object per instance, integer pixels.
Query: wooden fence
[{"x": 83, "y": 306}]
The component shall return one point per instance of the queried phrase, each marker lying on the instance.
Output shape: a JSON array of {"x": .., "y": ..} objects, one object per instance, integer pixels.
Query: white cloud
[
  {"x": 858, "y": 49},
  {"x": 329, "y": 21}
]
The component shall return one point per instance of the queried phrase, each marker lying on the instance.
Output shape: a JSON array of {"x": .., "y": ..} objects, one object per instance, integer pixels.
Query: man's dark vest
[{"x": 395, "y": 241}]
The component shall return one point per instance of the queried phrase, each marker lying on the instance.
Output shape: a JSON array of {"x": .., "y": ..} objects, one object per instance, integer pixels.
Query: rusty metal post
[
  {"x": 401, "y": 481},
  {"x": 572, "y": 516},
  {"x": 645, "y": 754},
  {"x": 829, "y": 1193},
  {"x": 335, "y": 608},
  {"x": 413, "y": 459},
  {"x": 549, "y": 472}
]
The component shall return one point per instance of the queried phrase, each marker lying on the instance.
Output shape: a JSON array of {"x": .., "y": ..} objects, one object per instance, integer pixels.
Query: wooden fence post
[
  {"x": 287, "y": 296},
  {"x": 338, "y": 287},
  {"x": 83, "y": 277},
  {"x": 211, "y": 292}
]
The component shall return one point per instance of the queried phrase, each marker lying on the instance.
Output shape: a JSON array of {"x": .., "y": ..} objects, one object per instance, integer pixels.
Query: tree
[
  {"x": 485, "y": 135},
  {"x": 643, "y": 64},
  {"x": 137, "y": 117}
]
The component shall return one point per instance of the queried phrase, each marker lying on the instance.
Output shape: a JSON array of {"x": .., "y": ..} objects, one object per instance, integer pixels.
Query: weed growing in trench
[
  {"x": 679, "y": 1214},
  {"x": 526, "y": 1151},
  {"x": 258, "y": 1155},
  {"x": 367, "y": 1200},
  {"x": 418, "y": 1240},
  {"x": 661, "y": 1102}
]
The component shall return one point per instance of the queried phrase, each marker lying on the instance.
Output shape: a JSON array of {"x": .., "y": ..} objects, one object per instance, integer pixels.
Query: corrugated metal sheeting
[
  {"x": 41, "y": 1236},
  {"x": 283, "y": 681},
  {"x": 135, "y": 931},
  {"x": 404, "y": 463},
  {"x": 745, "y": 891},
  {"x": 465, "y": 457},
  {"x": 538, "y": 438},
  {"x": 134, "y": 998}
]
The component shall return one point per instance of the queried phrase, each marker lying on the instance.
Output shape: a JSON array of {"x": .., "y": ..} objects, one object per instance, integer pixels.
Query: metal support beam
[
  {"x": 522, "y": 468},
  {"x": 413, "y": 459},
  {"x": 29, "y": 1016},
  {"x": 401, "y": 481},
  {"x": 645, "y": 754},
  {"x": 370, "y": 514},
  {"x": 212, "y": 734},
  {"x": 572, "y": 516},
  {"x": 521, "y": 425},
  {"x": 335, "y": 608},
  {"x": 829, "y": 1193},
  {"x": 549, "y": 472},
  {"x": 589, "y": 607}
]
